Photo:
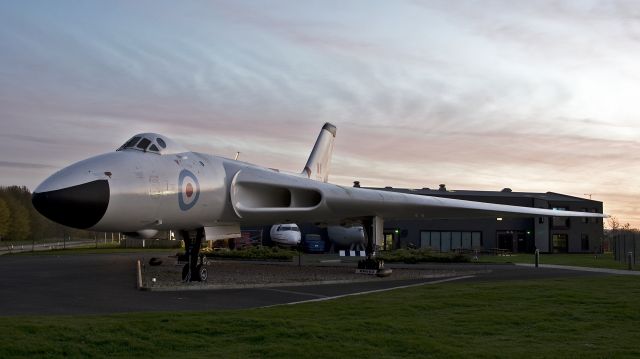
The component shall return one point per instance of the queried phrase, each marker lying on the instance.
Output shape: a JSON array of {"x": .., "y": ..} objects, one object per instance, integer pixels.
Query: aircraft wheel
[
  {"x": 202, "y": 273},
  {"x": 204, "y": 260}
]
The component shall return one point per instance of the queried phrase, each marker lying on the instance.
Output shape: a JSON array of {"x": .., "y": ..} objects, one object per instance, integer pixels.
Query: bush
[
  {"x": 253, "y": 253},
  {"x": 421, "y": 255}
]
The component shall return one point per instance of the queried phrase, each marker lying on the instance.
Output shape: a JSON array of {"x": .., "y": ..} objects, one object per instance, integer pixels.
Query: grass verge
[
  {"x": 421, "y": 256},
  {"x": 253, "y": 253},
  {"x": 4, "y": 244},
  {"x": 101, "y": 249},
  {"x": 591, "y": 317}
]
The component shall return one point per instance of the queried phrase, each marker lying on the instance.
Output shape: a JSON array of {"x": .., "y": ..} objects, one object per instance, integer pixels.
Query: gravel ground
[{"x": 227, "y": 274}]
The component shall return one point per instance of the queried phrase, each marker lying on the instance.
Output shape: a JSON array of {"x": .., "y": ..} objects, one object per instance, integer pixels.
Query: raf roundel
[{"x": 189, "y": 190}]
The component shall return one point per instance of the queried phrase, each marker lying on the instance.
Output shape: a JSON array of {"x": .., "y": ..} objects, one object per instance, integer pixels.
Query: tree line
[
  {"x": 615, "y": 226},
  {"x": 19, "y": 221}
]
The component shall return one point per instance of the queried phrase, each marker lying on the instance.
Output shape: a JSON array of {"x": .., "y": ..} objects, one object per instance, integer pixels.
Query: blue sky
[{"x": 535, "y": 96}]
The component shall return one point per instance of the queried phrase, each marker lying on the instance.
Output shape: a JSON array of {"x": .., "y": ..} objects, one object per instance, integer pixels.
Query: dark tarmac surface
[{"x": 105, "y": 283}]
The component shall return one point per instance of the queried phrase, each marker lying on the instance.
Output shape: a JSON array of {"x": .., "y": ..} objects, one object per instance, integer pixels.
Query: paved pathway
[{"x": 583, "y": 269}]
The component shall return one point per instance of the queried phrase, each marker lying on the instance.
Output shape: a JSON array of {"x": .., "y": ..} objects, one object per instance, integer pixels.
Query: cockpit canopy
[{"x": 152, "y": 143}]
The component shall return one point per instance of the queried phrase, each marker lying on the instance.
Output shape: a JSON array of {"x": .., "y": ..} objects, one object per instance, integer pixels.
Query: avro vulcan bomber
[{"x": 151, "y": 183}]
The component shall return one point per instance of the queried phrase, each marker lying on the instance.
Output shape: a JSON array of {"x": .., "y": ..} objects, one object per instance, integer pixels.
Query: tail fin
[{"x": 317, "y": 166}]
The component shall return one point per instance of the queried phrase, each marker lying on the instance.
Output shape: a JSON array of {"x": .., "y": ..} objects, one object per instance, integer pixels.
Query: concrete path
[{"x": 583, "y": 269}]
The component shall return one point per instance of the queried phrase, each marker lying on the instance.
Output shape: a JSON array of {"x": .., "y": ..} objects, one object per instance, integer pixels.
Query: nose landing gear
[{"x": 194, "y": 270}]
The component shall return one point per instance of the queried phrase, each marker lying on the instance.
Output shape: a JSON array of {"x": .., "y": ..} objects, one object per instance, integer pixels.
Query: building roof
[{"x": 548, "y": 196}]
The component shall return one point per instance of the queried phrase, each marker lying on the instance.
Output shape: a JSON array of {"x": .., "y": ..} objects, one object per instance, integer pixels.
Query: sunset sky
[{"x": 532, "y": 95}]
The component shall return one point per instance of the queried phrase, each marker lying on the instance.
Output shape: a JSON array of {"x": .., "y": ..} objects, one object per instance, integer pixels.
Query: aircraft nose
[{"x": 80, "y": 206}]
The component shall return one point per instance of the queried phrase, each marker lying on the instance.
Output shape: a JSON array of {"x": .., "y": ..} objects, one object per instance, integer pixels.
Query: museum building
[{"x": 549, "y": 235}]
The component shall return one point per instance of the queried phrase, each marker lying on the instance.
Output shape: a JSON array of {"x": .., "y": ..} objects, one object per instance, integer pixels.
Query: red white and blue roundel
[{"x": 189, "y": 190}]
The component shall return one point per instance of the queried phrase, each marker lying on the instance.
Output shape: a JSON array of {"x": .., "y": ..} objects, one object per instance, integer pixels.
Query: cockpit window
[
  {"x": 132, "y": 142},
  {"x": 143, "y": 144},
  {"x": 287, "y": 228},
  {"x": 152, "y": 143}
]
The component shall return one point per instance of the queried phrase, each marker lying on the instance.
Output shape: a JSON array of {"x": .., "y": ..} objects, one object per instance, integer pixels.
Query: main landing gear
[
  {"x": 372, "y": 265},
  {"x": 194, "y": 270}
]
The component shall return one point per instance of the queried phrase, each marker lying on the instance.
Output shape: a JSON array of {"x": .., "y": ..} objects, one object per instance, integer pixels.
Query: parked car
[{"x": 313, "y": 243}]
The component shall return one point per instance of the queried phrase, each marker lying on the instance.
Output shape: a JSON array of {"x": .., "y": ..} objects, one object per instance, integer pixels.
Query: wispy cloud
[
  {"x": 24, "y": 165},
  {"x": 478, "y": 95}
]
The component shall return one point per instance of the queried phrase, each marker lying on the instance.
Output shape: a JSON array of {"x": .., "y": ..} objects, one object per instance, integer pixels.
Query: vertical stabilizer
[{"x": 317, "y": 166}]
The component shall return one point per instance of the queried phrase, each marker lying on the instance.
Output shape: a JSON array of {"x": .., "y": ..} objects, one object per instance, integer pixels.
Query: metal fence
[{"x": 625, "y": 244}]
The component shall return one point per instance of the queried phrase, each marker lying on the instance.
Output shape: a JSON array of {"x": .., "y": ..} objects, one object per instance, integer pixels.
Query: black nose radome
[{"x": 80, "y": 206}]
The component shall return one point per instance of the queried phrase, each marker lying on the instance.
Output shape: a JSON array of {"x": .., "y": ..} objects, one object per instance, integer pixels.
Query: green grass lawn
[
  {"x": 594, "y": 317},
  {"x": 581, "y": 260}
]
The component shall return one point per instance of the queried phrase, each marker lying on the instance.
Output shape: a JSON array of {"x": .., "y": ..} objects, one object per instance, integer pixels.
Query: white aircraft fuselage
[
  {"x": 346, "y": 236},
  {"x": 285, "y": 234}
]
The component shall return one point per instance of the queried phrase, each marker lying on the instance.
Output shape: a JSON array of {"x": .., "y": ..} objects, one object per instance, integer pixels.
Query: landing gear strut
[
  {"x": 372, "y": 265},
  {"x": 194, "y": 270}
]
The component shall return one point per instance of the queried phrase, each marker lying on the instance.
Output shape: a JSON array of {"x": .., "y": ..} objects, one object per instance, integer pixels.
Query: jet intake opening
[
  {"x": 304, "y": 197},
  {"x": 258, "y": 195}
]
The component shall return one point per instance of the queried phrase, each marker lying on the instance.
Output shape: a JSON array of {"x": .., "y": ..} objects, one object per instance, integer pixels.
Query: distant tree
[
  {"x": 19, "y": 225},
  {"x": 25, "y": 223},
  {"x": 5, "y": 218},
  {"x": 613, "y": 223},
  {"x": 41, "y": 227}
]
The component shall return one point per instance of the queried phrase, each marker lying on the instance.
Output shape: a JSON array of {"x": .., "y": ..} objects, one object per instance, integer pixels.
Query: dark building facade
[{"x": 549, "y": 235}]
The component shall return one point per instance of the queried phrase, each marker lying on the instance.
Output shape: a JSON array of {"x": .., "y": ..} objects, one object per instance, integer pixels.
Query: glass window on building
[
  {"x": 425, "y": 239},
  {"x": 456, "y": 240},
  {"x": 584, "y": 242},
  {"x": 435, "y": 241},
  {"x": 445, "y": 241},
  {"x": 388, "y": 242},
  {"x": 476, "y": 240},
  {"x": 466, "y": 240},
  {"x": 559, "y": 243},
  {"x": 560, "y": 222}
]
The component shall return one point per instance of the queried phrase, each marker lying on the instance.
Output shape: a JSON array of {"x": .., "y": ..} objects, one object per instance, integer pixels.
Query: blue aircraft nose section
[{"x": 80, "y": 206}]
